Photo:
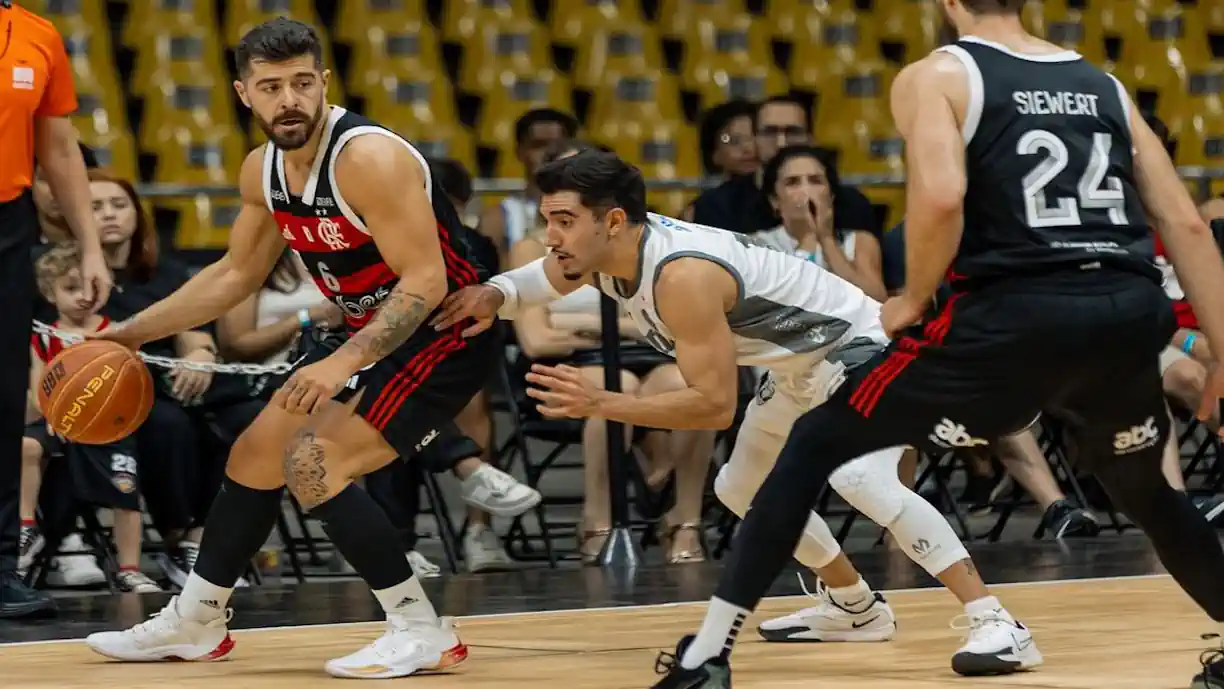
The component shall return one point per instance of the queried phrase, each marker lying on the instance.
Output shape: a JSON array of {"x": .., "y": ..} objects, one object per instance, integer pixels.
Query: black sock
[
  {"x": 238, "y": 524},
  {"x": 365, "y": 536},
  {"x": 1187, "y": 544}
]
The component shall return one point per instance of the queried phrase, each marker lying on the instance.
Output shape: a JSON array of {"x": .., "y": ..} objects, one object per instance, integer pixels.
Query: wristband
[
  {"x": 304, "y": 318},
  {"x": 1188, "y": 344},
  {"x": 524, "y": 288}
]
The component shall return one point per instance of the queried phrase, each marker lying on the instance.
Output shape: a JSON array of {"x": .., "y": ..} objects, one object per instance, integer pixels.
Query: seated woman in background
[
  {"x": 799, "y": 181},
  {"x": 569, "y": 329}
]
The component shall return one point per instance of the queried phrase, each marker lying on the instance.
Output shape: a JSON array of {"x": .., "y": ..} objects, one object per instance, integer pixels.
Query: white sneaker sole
[
  {"x": 1003, "y": 663},
  {"x": 449, "y": 658},
  {"x": 804, "y": 634},
  {"x": 506, "y": 509},
  {"x": 185, "y": 654}
]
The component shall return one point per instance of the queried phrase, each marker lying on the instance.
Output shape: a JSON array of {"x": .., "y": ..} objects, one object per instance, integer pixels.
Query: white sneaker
[
  {"x": 996, "y": 645},
  {"x": 829, "y": 621},
  {"x": 30, "y": 544},
  {"x": 75, "y": 567},
  {"x": 406, "y": 648},
  {"x": 497, "y": 492},
  {"x": 483, "y": 550},
  {"x": 132, "y": 581},
  {"x": 166, "y": 636},
  {"x": 179, "y": 561},
  {"x": 422, "y": 567}
]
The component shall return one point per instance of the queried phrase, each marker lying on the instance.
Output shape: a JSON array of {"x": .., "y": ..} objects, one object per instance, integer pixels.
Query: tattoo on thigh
[{"x": 305, "y": 470}]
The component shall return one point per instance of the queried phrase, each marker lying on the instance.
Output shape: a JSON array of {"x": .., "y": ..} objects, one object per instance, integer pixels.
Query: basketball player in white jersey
[{"x": 715, "y": 300}]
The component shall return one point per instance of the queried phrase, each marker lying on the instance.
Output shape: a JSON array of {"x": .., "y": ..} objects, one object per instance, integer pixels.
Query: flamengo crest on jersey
[
  {"x": 333, "y": 241},
  {"x": 790, "y": 313}
]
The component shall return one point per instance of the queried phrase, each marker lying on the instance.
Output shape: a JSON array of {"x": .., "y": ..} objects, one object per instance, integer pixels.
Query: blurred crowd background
[{"x": 726, "y": 106}]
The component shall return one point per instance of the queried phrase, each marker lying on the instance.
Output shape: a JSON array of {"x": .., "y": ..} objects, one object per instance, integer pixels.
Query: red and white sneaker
[
  {"x": 407, "y": 647},
  {"x": 166, "y": 636}
]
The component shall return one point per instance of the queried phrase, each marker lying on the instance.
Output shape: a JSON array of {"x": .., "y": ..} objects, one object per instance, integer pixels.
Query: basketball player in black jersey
[
  {"x": 1032, "y": 183},
  {"x": 358, "y": 205}
]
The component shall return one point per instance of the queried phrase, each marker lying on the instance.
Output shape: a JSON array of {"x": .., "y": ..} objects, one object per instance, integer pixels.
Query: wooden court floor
[{"x": 1118, "y": 634}]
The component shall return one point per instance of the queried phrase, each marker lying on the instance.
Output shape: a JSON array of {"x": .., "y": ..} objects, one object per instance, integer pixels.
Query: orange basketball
[{"x": 96, "y": 392}]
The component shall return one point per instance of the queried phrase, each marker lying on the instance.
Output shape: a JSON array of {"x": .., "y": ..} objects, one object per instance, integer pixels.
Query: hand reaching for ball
[{"x": 119, "y": 333}]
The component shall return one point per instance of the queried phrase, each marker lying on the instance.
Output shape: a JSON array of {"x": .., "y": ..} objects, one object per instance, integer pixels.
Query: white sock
[
  {"x": 855, "y": 598},
  {"x": 201, "y": 600},
  {"x": 982, "y": 606},
  {"x": 408, "y": 599},
  {"x": 717, "y": 634}
]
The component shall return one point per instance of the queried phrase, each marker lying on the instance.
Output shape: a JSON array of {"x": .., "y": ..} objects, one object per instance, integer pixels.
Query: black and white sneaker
[
  {"x": 178, "y": 562},
  {"x": 1064, "y": 520},
  {"x": 1212, "y": 676},
  {"x": 714, "y": 673},
  {"x": 30, "y": 544},
  {"x": 1211, "y": 507}
]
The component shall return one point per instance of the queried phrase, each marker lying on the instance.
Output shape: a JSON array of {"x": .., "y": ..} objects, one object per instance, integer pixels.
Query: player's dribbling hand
[
  {"x": 899, "y": 313},
  {"x": 477, "y": 302},
  {"x": 564, "y": 392},
  {"x": 311, "y": 387}
]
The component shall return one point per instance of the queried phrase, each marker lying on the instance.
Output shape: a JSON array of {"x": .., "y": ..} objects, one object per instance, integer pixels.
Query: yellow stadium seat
[
  {"x": 613, "y": 49},
  {"x": 1201, "y": 140},
  {"x": 433, "y": 139},
  {"x": 860, "y": 105},
  {"x": 115, "y": 151},
  {"x": 1165, "y": 37},
  {"x": 356, "y": 16},
  {"x": 428, "y": 95},
  {"x": 573, "y": 23},
  {"x": 201, "y": 103},
  {"x": 1078, "y": 31},
  {"x": 204, "y": 222},
  {"x": 647, "y": 95},
  {"x": 175, "y": 55},
  {"x": 148, "y": 18},
  {"x": 663, "y": 152},
  {"x": 837, "y": 40},
  {"x": 404, "y": 50},
  {"x": 786, "y": 18},
  {"x": 515, "y": 95},
  {"x": 64, "y": 13},
  {"x": 676, "y": 17},
  {"x": 717, "y": 44},
  {"x": 99, "y": 111},
  {"x": 752, "y": 82},
  {"x": 200, "y": 155},
  {"x": 243, "y": 15},
  {"x": 1147, "y": 80},
  {"x": 912, "y": 23},
  {"x": 463, "y": 19},
  {"x": 508, "y": 45}
]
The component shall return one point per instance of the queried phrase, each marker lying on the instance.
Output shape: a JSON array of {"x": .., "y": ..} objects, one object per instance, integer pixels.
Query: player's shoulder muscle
[
  {"x": 376, "y": 159},
  {"x": 691, "y": 289},
  {"x": 940, "y": 72},
  {"x": 251, "y": 178}
]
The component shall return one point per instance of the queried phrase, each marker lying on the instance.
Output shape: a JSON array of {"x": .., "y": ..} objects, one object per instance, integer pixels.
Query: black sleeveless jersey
[
  {"x": 333, "y": 241},
  {"x": 1050, "y": 171}
]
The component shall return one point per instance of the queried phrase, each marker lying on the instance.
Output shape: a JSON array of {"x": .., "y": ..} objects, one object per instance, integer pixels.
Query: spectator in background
[
  {"x": 800, "y": 182},
  {"x": 102, "y": 475},
  {"x": 511, "y": 220},
  {"x": 570, "y": 330},
  {"x": 178, "y": 449},
  {"x": 728, "y": 143},
  {"x": 34, "y": 107},
  {"x": 741, "y": 205}
]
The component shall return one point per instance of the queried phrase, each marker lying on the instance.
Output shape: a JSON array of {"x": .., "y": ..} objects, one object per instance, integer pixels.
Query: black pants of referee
[{"x": 18, "y": 233}]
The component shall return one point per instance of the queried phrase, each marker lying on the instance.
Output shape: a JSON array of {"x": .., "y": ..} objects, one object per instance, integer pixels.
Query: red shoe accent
[
  {"x": 455, "y": 655},
  {"x": 223, "y": 649}
]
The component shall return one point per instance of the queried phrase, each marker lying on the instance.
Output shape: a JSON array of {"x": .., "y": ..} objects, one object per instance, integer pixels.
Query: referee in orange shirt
[{"x": 36, "y": 97}]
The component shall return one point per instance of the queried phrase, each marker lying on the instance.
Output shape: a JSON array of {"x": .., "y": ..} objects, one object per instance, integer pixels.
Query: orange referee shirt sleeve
[{"x": 59, "y": 99}]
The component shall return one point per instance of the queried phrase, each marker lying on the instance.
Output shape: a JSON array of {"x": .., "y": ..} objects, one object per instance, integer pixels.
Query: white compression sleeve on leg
[
  {"x": 871, "y": 486},
  {"x": 524, "y": 288}
]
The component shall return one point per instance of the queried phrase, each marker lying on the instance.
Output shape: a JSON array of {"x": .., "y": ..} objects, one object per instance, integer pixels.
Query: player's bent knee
[
  {"x": 736, "y": 497},
  {"x": 870, "y": 484}
]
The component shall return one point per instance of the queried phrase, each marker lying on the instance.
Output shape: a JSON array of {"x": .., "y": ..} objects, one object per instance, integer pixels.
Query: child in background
[{"x": 102, "y": 475}]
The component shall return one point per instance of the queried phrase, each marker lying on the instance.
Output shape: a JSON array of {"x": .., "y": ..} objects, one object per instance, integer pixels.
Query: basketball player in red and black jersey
[{"x": 358, "y": 204}]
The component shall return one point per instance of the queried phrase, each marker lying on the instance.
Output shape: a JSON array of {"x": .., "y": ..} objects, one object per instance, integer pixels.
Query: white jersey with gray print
[{"x": 790, "y": 314}]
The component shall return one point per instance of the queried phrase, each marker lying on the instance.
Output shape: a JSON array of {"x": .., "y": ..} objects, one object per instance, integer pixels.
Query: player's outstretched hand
[
  {"x": 311, "y": 387},
  {"x": 477, "y": 302},
  {"x": 1213, "y": 392},
  {"x": 119, "y": 333},
  {"x": 899, "y": 313},
  {"x": 564, "y": 392}
]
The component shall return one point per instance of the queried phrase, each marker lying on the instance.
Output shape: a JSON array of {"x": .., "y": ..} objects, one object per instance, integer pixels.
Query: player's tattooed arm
[{"x": 400, "y": 218}]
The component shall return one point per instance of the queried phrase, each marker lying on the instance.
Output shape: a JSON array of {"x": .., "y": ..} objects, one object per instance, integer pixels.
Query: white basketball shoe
[
  {"x": 167, "y": 636},
  {"x": 996, "y": 645},
  {"x": 830, "y": 621},
  {"x": 407, "y": 647}
]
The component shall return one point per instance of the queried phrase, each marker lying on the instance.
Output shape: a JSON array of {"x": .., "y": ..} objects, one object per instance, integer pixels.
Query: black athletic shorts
[
  {"x": 102, "y": 475},
  {"x": 414, "y": 393},
  {"x": 1082, "y": 346}
]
